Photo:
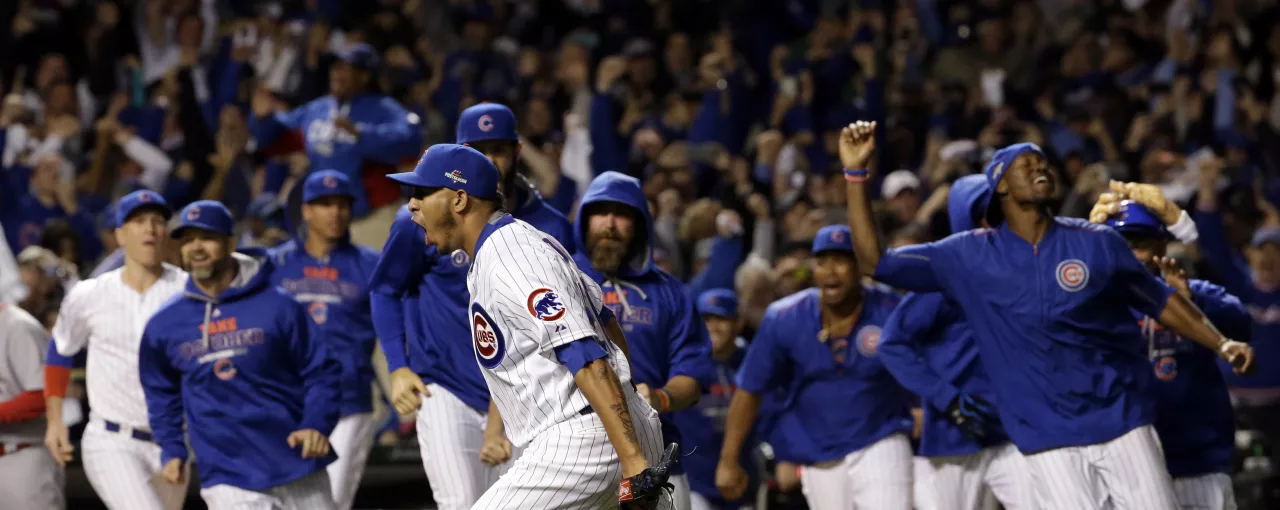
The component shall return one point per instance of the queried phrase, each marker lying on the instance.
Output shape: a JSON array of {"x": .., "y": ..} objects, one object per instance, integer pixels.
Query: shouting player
[
  {"x": 1198, "y": 440},
  {"x": 1051, "y": 298},
  {"x": 854, "y": 421},
  {"x": 106, "y": 315},
  {"x": 562, "y": 387},
  {"x": 329, "y": 276},
  {"x": 237, "y": 358},
  {"x": 670, "y": 353},
  {"x": 419, "y": 290},
  {"x": 929, "y": 348}
]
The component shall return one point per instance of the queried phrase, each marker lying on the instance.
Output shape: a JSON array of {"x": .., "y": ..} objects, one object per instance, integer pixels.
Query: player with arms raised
[
  {"x": 1051, "y": 298},
  {"x": 563, "y": 389}
]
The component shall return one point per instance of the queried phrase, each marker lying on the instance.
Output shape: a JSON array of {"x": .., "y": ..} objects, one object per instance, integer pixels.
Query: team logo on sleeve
[
  {"x": 868, "y": 340},
  {"x": 1072, "y": 275},
  {"x": 485, "y": 123},
  {"x": 319, "y": 312},
  {"x": 224, "y": 369},
  {"x": 490, "y": 346},
  {"x": 545, "y": 304},
  {"x": 1166, "y": 368}
]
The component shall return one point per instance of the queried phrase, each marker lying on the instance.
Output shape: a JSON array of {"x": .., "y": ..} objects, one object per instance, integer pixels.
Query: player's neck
[
  {"x": 138, "y": 276},
  {"x": 318, "y": 246},
  {"x": 471, "y": 226},
  {"x": 842, "y": 315},
  {"x": 1028, "y": 221},
  {"x": 725, "y": 352}
]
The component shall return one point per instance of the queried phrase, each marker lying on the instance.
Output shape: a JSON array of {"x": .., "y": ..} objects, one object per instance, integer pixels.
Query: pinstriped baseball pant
[
  {"x": 1205, "y": 492},
  {"x": 877, "y": 477},
  {"x": 310, "y": 492},
  {"x": 1126, "y": 473},
  {"x": 124, "y": 471},
  {"x": 978, "y": 480},
  {"x": 450, "y": 435}
]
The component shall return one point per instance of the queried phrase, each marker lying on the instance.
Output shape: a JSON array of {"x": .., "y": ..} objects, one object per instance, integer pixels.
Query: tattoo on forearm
[{"x": 619, "y": 407}]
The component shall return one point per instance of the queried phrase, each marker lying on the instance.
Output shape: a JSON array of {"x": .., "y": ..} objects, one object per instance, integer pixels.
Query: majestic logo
[
  {"x": 1166, "y": 368},
  {"x": 319, "y": 312},
  {"x": 485, "y": 123},
  {"x": 329, "y": 181},
  {"x": 490, "y": 346},
  {"x": 193, "y": 214},
  {"x": 224, "y": 369},
  {"x": 456, "y": 176},
  {"x": 458, "y": 258},
  {"x": 144, "y": 197},
  {"x": 1072, "y": 275},
  {"x": 868, "y": 340},
  {"x": 545, "y": 304}
]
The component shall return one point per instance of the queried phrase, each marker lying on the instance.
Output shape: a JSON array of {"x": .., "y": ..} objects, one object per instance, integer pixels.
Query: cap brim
[
  {"x": 411, "y": 179},
  {"x": 151, "y": 206},
  {"x": 177, "y": 232},
  {"x": 323, "y": 194},
  {"x": 719, "y": 312}
]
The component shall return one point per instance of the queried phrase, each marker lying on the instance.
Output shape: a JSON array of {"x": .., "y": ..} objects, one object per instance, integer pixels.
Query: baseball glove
[{"x": 644, "y": 491}]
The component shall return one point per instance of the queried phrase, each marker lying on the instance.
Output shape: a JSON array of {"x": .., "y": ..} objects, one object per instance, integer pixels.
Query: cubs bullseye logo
[
  {"x": 490, "y": 345},
  {"x": 837, "y": 236},
  {"x": 144, "y": 197},
  {"x": 1072, "y": 275},
  {"x": 330, "y": 181},
  {"x": 193, "y": 214},
  {"x": 545, "y": 304},
  {"x": 319, "y": 312},
  {"x": 458, "y": 258},
  {"x": 224, "y": 369},
  {"x": 486, "y": 123},
  {"x": 868, "y": 340},
  {"x": 1166, "y": 368}
]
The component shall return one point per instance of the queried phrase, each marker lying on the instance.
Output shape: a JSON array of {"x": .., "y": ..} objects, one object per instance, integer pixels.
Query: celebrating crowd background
[{"x": 727, "y": 109}]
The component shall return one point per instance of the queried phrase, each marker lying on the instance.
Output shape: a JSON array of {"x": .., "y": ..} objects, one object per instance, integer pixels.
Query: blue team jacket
[
  {"x": 243, "y": 370},
  {"x": 665, "y": 335},
  {"x": 702, "y": 432},
  {"x": 929, "y": 348},
  {"x": 419, "y": 291},
  {"x": 1194, "y": 418},
  {"x": 843, "y": 398},
  {"x": 388, "y": 134},
  {"x": 335, "y": 292},
  {"x": 1052, "y": 325}
]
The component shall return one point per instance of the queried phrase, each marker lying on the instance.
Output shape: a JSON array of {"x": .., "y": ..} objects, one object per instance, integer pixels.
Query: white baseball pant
[
  {"x": 31, "y": 480},
  {"x": 450, "y": 435},
  {"x": 1126, "y": 473},
  {"x": 126, "y": 472},
  {"x": 681, "y": 492},
  {"x": 352, "y": 440},
  {"x": 877, "y": 477},
  {"x": 921, "y": 477},
  {"x": 978, "y": 480},
  {"x": 310, "y": 492},
  {"x": 1205, "y": 492},
  {"x": 573, "y": 465}
]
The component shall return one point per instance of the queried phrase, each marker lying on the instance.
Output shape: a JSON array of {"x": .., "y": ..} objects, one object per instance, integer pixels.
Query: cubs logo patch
[
  {"x": 545, "y": 304},
  {"x": 485, "y": 123},
  {"x": 224, "y": 369},
  {"x": 868, "y": 340},
  {"x": 144, "y": 197},
  {"x": 1072, "y": 275},
  {"x": 329, "y": 181},
  {"x": 193, "y": 214},
  {"x": 1166, "y": 368},
  {"x": 489, "y": 343},
  {"x": 837, "y": 236},
  {"x": 319, "y": 312},
  {"x": 459, "y": 258}
]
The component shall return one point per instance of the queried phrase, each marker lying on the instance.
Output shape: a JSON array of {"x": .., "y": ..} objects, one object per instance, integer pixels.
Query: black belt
[
  {"x": 140, "y": 435},
  {"x": 586, "y": 410}
]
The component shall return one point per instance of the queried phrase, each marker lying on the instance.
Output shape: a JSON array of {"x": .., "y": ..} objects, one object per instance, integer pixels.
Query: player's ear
[{"x": 460, "y": 201}]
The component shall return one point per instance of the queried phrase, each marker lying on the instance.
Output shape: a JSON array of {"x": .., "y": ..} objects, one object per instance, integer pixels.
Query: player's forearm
[
  {"x": 604, "y": 391},
  {"x": 614, "y": 330},
  {"x": 25, "y": 406},
  {"x": 1183, "y": 317},
  {"x": 866, "y": 241},
  {"x": 494, "y": 426},
  {"x": 743, "y": 410},
  {"x": 53, "y": 408},
  {"x": 683, "y": 392}
]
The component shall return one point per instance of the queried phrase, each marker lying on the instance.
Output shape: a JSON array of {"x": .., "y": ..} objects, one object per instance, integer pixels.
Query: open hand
[
  {"x": 1175, "y": 276},
  {"x": 314, "y": 444},
  {"x": 1150, "y": 196}
]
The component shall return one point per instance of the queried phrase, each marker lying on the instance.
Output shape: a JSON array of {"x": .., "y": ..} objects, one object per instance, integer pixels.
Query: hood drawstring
[
  {"x": 208, "y": 314},
  {"x": 1149, "y": 331},
  {"x": 622, "y": 295}
]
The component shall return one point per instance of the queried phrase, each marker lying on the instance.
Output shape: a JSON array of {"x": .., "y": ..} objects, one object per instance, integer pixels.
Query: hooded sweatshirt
[
  {"x": 665, "y": 335},
  {"x": 243, "y": 369}
]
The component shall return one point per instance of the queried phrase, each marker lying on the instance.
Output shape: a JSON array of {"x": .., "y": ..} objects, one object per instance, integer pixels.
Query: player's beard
[
  {"x": 607, "y": 250},
  {"x": 207, "y": 273},
  {"x": 448, "y": 230}
]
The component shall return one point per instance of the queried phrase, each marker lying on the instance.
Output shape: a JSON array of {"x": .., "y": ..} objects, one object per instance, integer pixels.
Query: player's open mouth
[{"x": 1043, "y": 179}]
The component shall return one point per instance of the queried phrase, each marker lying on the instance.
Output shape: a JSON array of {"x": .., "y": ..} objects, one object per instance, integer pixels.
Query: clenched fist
[{"x": 856, "y": 143}]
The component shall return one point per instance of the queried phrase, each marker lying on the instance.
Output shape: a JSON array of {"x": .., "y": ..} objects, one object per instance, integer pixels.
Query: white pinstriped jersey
[
  {"x": 108, "y": 316},
  {"x": 527, "y": 298}
]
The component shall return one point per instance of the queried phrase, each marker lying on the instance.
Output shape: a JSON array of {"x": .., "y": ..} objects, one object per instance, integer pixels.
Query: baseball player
[
  {"x": 329, "y": 276},
  {"x": 562, "y": 387},
  {"x": 1051, "y": 298},
  {"x": 849, "y": 412},
  {"x": 106, "y": 315},
  {"x": 670, "y": 353},
  {"x": 32, "y": 480},
  {"x": 702, "y": 426},
  {"x": 420, "y": 290},
  {"x": 929, "y": 348},
  {"x": 238, "y": 358},
  {"x": 1198, "y": 441}
]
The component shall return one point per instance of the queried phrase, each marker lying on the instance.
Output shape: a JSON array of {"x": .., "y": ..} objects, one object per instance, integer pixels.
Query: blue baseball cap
[
  {"x": 1000, "y": 163},
  {"x": 487, "y": 121},
  {"x": 967, "y": 193},
  {"x": 326, "y": 183},
  {"x": 719, "y": 302},
  {"x": 1135, "y": 218},
  {"x": 1266, "y": 235},
  {"x": 138, "y": 201},
  {"x": 833, "y": 238},
  {"x": 208, "y": 215},
  {"x": 457, "y": 167},
  {"x": 360, "y": 55}
]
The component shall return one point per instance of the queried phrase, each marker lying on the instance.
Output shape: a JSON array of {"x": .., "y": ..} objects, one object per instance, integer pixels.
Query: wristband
[
  {"x": 856, "y": 175},
  {"x": 1185, "y": 229},
  {"x": 664, "y": 400}
]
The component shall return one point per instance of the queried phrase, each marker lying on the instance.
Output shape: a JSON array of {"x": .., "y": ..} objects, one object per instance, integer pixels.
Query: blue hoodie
[
  {"x": 419, "y": 300},
  {"x": 243, "y": 371},
  {"x": 665, "y": 335},
  {"x": 335, "y": 292},
  {"x": 929, "y": 348}
]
